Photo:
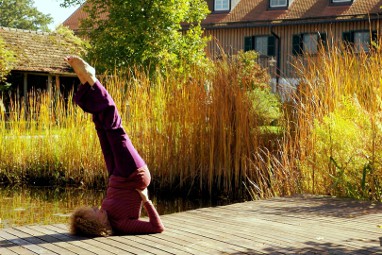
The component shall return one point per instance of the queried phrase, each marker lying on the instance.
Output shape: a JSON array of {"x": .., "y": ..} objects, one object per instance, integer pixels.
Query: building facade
[{"x": 283, "y": 30}]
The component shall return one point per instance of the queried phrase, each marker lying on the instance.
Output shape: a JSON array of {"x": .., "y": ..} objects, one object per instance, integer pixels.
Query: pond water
[{"x": 28, "y": 206}]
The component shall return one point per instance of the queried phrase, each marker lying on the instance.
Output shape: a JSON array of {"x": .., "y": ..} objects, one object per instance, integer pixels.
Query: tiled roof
[
  {"x": 37, "y": 51},
  {"x": 74, "y": 20},
  {"x": 258, "y": 11}
]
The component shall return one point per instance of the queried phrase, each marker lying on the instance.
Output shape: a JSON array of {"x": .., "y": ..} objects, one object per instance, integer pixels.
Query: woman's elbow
[{"x": 160, "y": 229}]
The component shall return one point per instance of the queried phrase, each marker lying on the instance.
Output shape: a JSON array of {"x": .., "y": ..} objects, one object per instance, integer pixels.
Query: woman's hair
[{"x": 83, "y": 222}]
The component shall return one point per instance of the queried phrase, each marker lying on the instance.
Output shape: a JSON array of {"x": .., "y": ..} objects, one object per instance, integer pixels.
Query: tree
[
  {"x": 22, "y": 14},
  {"x": 7, "y": 61},
  {"x": 144, "y": 33}
]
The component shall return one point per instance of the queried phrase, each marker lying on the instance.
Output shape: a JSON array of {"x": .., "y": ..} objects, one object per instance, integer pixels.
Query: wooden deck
[{"x": 296, "y": 225}]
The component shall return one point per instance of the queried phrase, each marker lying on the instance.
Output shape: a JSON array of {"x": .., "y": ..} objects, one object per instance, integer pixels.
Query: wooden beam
[{"x": 49, "y": 86}]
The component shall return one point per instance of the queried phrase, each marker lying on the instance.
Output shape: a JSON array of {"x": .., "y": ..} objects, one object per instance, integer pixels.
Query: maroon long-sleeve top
[{"x": 127, "y": 170}]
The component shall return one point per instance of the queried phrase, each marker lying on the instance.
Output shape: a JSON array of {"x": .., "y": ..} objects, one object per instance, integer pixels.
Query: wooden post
[
  {"x": 49, "y": 87},
  {"x": 57, "y": 89},
  {"x": 25, "y": 92}
]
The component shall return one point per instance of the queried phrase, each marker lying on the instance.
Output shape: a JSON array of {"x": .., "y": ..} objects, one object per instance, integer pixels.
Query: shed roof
[
  {"x": 258, "y": 11},
  {"x": 37, "y": 51}
]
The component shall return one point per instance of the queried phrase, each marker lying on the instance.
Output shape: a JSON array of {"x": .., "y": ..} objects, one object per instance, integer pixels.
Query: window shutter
[
  {"x": 374, "y": 36},
  {"x": 248, "y": 43},
  {"x": 348, "y": 37},
  {"x": 271, "y": 46},
  {"x": 297, "y": 47},
  {"x": 323, "y": 40},
  {"x": 374, "y": 39}
]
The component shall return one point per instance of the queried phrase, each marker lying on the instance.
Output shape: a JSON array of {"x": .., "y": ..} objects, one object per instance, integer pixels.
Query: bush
[{"x": 342, "y": 145}]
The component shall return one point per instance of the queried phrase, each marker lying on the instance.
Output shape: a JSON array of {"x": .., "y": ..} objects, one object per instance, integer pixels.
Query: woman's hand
[{"x": 144, "y": 194}]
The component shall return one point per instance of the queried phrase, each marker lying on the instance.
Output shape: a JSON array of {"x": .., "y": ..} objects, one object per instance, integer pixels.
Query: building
[
  {"x": 281, "y": 30},
  {"x": 40, "y": 61}
]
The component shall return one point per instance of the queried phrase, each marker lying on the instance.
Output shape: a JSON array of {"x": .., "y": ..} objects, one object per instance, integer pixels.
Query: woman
[{"x": 128, "y": 173}]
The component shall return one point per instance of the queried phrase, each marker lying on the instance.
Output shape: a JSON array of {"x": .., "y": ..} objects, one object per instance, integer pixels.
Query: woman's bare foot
[{"x": 84, "y": 71}]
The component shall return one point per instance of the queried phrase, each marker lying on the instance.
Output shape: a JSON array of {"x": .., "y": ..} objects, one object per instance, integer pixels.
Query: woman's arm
[{"x": 136, "y": 226}]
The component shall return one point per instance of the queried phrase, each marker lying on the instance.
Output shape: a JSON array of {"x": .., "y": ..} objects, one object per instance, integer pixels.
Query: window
[
  {"x": 264, "y": 45},
  {"x": 341, "y": 2},
  {"x": 308, "y": 43},
  {"x": 222, "y": 5},
  {"x": 278, "y": 3},
  {"x": 360, "y": 40}
]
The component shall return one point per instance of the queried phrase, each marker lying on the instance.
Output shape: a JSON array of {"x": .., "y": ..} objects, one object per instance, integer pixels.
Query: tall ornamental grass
[
  {"x": 338, "y": 141},
  {"x": 210, "y": 130},
  {"x": 197, "y": 133}
]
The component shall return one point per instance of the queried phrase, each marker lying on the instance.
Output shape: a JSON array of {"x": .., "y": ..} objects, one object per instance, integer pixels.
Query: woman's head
[{"x": 90, "y": 221}]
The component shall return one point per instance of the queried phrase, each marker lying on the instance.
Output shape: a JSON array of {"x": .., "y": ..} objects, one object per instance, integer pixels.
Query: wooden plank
[
  {"x": 116, "y": 240},
  {"x": 20, "y": 249},
  {"x": 3, "y": 247},
  {"x": 62, "y": 240},
  {"x": 278, "y": 225},
  {"x": 213, "y": 242},
  {"x": 90, "y": 244},
  {"x": 191, "y": 242},
  {"x": 208, "y": 217},
  {"x": 26, "y": 235},
  {"x": 128, "y": 249},
  {"x": 47, "y": 241},
  {"x": 187, "y": 244},
  {"x": 226, "y": 239},
  {"x": 298, "y": 225},
  {"x": 158, "y": 243}
]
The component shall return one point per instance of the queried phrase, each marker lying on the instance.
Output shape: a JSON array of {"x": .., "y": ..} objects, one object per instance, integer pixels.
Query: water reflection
[{"x": 28, "y": 206}]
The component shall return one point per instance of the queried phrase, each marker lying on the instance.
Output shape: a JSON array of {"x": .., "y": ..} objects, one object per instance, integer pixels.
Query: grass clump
[
  {"x": 339, "y": 134},
  {"x": 199, "y": 134}
]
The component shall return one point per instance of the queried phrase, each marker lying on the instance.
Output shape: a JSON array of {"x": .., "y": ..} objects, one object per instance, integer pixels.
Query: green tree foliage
[
  {"x": 265, "y": 104},
  {"x": 145, "y": 33},
  {"x": 22, "y": 14},
  {"x": 74, "y": 44},
  {"x": 7, "y": 61}
]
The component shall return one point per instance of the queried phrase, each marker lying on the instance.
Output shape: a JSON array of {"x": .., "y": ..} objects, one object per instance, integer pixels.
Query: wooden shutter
[
  {"x": 374, "y": 39},
  {"x": 248, "y": 43},
  {"x": 271, "y": 46},
  {"x": 348, "y": 37},
  {"x": 374, "y": 36},
  {"x": 297, "y": 45},
  {"x": 323, "y": 40}
]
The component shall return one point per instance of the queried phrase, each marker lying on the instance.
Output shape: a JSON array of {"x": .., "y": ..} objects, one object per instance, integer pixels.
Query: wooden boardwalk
[{"x": 295, "y": 225}]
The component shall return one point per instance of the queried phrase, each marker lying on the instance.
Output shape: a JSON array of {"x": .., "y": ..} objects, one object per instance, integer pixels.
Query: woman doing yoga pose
[{"x": 128, "y": 173}]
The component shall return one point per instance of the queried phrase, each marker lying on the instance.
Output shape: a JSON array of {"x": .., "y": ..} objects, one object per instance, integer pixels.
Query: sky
[{"x": 53, "y": 8}]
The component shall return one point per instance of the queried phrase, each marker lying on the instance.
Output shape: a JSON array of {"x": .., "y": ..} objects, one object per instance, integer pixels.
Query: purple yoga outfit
[
  {"x": 121, "y": 157},
  {"x": 127, "y": 170}
]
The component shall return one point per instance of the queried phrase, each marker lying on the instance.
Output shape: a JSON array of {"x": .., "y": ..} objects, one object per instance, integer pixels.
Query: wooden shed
[{"x": 40, "y": 61}]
